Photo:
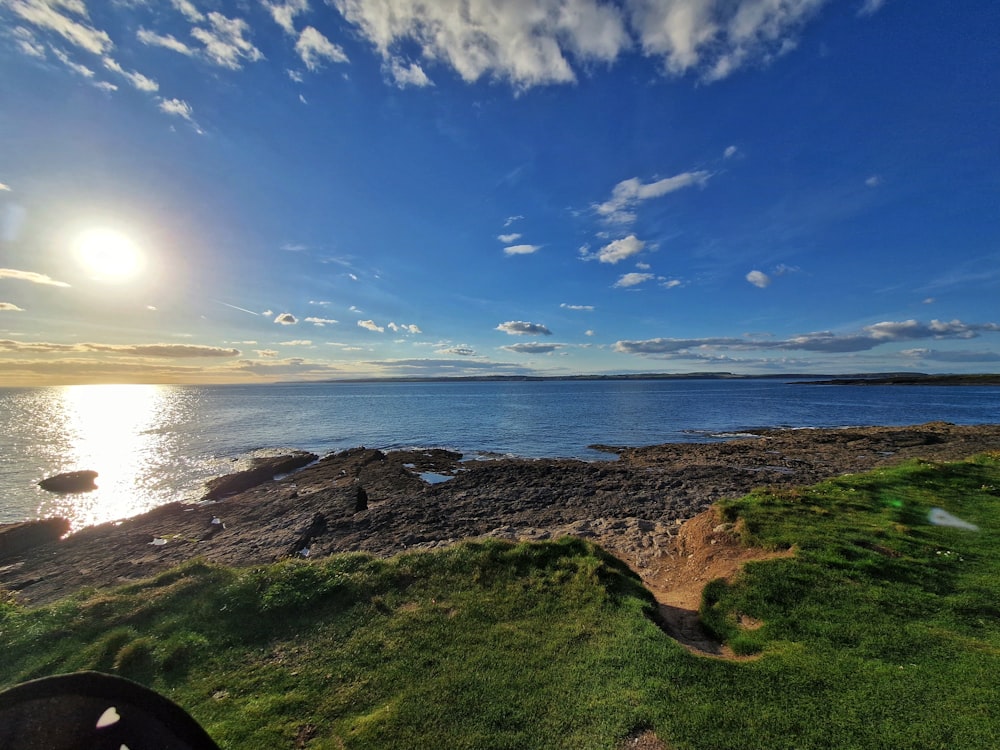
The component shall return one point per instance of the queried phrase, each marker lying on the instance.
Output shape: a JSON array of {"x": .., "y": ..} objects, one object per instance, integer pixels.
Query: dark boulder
[
  {"x": 262, "y": 470},
  {"x": 70, "y": 481},
  {"x": 18, "y": 538}
]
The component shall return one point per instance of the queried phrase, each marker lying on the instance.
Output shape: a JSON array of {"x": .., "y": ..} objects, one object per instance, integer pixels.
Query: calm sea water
[{"x": 155, "y": 444}]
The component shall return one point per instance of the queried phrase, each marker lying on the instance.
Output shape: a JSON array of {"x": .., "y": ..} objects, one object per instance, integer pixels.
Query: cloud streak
[
  {"x": 31, "y": 276},
  {"x": 523, "y": 328},
  {"x": 180, "y": 351},
  {"x": 866, "y": 339}
]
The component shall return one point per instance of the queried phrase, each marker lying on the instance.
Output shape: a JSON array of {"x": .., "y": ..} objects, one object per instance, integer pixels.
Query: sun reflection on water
[{"x": 113, "y": 430}]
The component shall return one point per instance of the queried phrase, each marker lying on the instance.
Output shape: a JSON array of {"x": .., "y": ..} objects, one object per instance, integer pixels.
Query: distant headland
[{"x": 875, "y": 378}]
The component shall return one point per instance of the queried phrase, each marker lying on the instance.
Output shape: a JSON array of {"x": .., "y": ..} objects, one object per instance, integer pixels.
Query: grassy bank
[{"x": 882, "y": 631}]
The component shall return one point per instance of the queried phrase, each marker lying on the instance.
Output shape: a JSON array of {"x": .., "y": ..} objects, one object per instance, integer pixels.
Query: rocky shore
[{"x": 383, "y": 503}]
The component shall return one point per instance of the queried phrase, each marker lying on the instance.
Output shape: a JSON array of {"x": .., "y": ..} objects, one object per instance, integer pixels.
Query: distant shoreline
[
  {"x": 913, "y": 379},
  {"x": 794, "y": 378}
]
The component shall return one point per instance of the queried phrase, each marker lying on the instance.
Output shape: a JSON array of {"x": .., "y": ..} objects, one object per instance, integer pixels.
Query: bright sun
[{"x": 108, "y": 255}]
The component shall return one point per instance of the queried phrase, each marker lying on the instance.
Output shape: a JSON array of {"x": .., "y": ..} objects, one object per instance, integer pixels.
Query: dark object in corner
[
  {"x": 18, "y": 538},
  {"x": 70, "y": 481},
  {"x": 263, "y": 470},
  {"x": 95, "y": 711}
]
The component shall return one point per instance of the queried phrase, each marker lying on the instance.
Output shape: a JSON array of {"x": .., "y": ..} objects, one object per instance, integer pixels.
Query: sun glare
[{"x": 108, "y": 255}]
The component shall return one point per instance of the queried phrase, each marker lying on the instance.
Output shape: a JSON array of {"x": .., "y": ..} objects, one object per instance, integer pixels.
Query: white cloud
[
  {"x": 167, "y": 41},
  {"x": 509, "y": 238},
  {"x": 586, "y": 308},
  {"x": 370, "y": 325},
  {"x": 226, "y": 43},
  {"x": 523, "y": 328},
  {"x": 759, "y": 279},
  {"x": 627, "y": 194},
  {"x": 867, "y": 338},
  {"x": 524, "y": 43},
  {"x": 176, "y": 107},
  {"x": 136, "y": 350},
  {"x": 296, "y": 342},
  {"x": 4, "y": 188},
  {"x": 511, "y": 219},
  {"x": 295, "y": 75},
  {"x": 34, "y": 278},
  {"x": 588, "y": 332},
  {"x": 136, "y": 80},
  {"x": 314, "y": 48},
  {"x": 188, "y": 9},
  {"x": 266, "y": 353},
  {"x": 617, "y": 250},
  {"x": 45, "y": 14},
  {"x": 461, "y": 351},
  {"x": 632, "y": 279},
  {"x": 868, "y": 7},
  {"x": 404, "y": 75},
  {"x": 717, "y": 37},
  {"x": 671, "y": 283},
  {"x": 27, "y": 42},
  {"x": 873, "y": 181},
  {"x": 284, "y": 13},
  {"x": 521, "y": 249},
  {"x": 286, "y": 319},
  {"x": 405, "y": 328},
  {"x": 10, "y": 307},
  {"x": 730, "y": 152},
  {"x": 320, "y": 322},
  {"x": 76, "y": 67},
  {"x": 532, "y": 348}
]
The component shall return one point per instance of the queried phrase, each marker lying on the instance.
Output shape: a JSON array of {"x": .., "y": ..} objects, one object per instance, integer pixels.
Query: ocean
[{"x": 153, "y": 444}]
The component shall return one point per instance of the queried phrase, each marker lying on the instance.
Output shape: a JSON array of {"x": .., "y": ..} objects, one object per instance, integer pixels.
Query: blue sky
[{"x": 209, "y": 191}]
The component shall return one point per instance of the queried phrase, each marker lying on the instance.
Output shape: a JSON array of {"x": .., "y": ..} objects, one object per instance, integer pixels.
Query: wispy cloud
[
  {"x": 521, "y": 249},
  {"x": 137, "y": 350},
  {"x": 314, "y": 49},
  {"x": 460, "y": 351},
  {"x": 188, "y": 10},
  {"x": 867, "y": 338},
  {"x": 225, "y": 41},
  {"x": 136, "y": 80},
  {"x": 404, "y": 75},
  {"x": 632, "y": 279},
  {"x": 615, "y": 251},
  {"x": 284, "y": 13},
  {"x": 10, "y": 307},
  {"x": 320, "y": 322},
  {"x": 509, "y": 238},
  {"x": 759, "y": 279},
  {"x": 523, "y": 328},
  {"x": 586, "y": 308},
  {"x": 34, "y": 278},
  {"x": 627, "y": 194},
  {"x": 167, "y": 41},
  {"x": 404, "y": 328},
  {"x": 48, "y": 15},
  {"x": 177, "y": 107},
  {"x": 532, "y": 348},
  {"x": 370, "y": 325}
]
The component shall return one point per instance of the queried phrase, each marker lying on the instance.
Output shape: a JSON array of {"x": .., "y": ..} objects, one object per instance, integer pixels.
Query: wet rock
[
  {"x": 70, "y": 481},
  {"x": 262, "y": 470},
  {"x": 17, "y": 539}
]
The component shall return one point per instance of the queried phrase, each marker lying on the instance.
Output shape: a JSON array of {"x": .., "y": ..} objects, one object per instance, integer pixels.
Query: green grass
[{"x": 882, "y": 631}]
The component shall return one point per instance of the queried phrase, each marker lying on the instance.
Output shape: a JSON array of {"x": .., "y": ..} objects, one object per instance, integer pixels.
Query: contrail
[{"x": 241, "y": 309}]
